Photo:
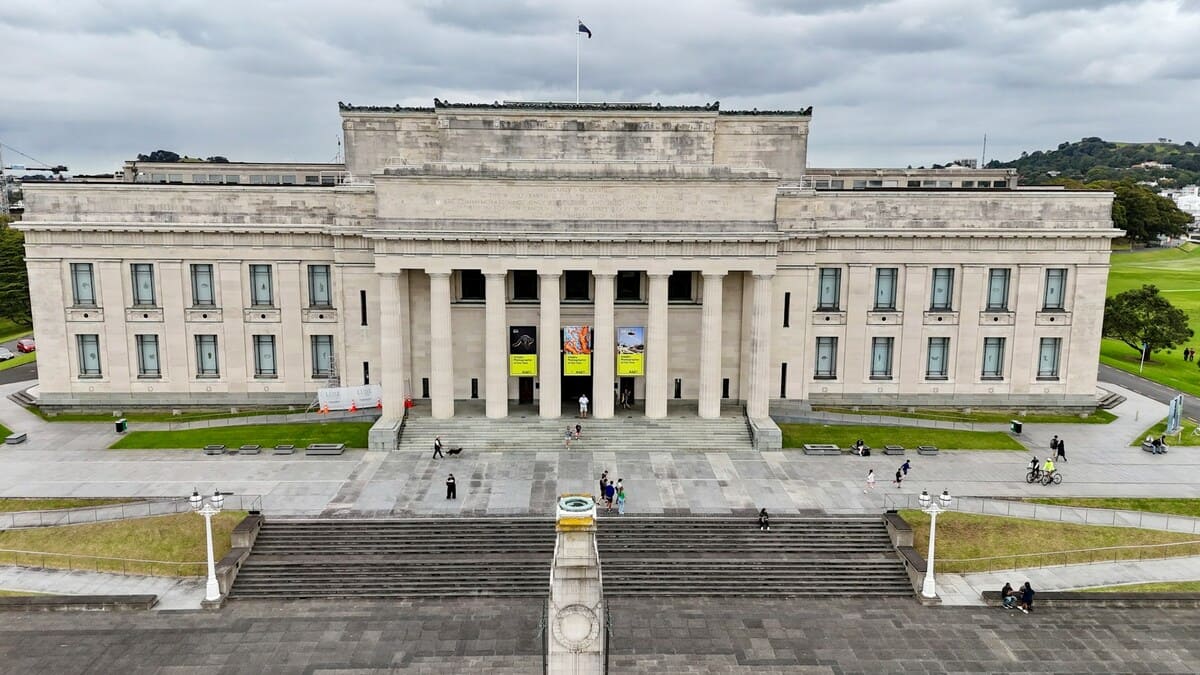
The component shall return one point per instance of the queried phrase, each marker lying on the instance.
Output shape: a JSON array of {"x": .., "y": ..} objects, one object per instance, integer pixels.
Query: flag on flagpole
[{"x": 585, "y": 29}]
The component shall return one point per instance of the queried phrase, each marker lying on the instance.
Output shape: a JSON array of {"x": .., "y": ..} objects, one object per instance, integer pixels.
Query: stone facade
[{"x": 460, "y": 221}]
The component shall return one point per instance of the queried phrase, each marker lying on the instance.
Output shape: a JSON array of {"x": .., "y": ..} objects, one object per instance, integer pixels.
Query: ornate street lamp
[
  {"x": 209, "y": 508},
  {"x": 933, "y": 508}
]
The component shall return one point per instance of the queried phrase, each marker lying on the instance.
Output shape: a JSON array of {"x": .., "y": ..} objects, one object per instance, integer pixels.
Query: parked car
[
  {"x": 6, "y": 354},
  {"x": 26, "y": 345}
]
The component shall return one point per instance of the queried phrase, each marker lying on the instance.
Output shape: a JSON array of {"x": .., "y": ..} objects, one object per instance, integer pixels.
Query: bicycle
[
  {"x": 1034, "y": 476},
  {"x": 1048, "y": 478}
]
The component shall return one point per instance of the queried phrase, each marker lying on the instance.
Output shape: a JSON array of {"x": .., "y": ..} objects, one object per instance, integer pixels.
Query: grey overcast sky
[{"x": 89, "y": 83}]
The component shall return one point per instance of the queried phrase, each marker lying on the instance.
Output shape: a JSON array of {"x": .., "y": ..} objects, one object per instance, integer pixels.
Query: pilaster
[
  {"x": 549, "y": 347},
  {"x": 495, "y": 341}
]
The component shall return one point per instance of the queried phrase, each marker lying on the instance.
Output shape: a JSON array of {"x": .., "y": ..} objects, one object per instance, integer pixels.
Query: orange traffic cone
[
  {"x": 379, "y": 403},
  {"x": 324, "y": 410},
  {"x": 353, "y": 408}
]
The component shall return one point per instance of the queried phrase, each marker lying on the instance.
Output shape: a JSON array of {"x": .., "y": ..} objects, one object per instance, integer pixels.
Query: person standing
[
  {"x": 1026, "y": 598},
  {"x": 451, "y": 490},
  {"x": 905, "y": 467},
  {"x": 870, "y": 480},
  {"x": 437, "y": 447},
  {"x": 583, "y": 405},
  {"x": 1054, "y": 445},
  {"x": 620, "y": 499},
  {"x": 610, "y": 493},
  {"x": 603, "y": 482},
  {"x": 1061, "y": 450}
]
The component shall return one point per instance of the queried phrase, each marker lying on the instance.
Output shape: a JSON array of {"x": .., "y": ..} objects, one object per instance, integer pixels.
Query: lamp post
[
  {"x": 209, "y": 508},
  {"x": 928, "y": 505}
]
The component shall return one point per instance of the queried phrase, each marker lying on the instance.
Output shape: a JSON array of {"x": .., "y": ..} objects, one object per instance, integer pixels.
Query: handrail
[{"x": 127, "y": 565}]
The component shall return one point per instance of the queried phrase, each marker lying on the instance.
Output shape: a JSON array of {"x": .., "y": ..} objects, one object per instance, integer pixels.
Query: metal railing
[
  {"x": 108, "y": 512},
  {"x": 90, "y": 563},
  {"x": 1075, "y": 557},
  {"x": 1079, "y": 515}
]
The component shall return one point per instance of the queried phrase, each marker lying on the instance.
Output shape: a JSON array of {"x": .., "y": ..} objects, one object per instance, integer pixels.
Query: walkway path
[{"x": 172, "y": 593}]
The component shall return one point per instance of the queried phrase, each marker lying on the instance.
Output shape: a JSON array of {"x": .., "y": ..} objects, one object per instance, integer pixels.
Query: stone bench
[
  {"x": 821, "y": 449},
  {"x": 1149, "y": 447},
  {"x": 214, "y": 449},
  {"x": 927, "y": 450},
  {"x": 893, "y": 449},
  {"x": 283, "y": 450},
  {"x": 16, "y": 438},
  {"x": 249, "y": 449},
  {"x": 1118, "y": 599},
  {"x": 325, "y": 449}
]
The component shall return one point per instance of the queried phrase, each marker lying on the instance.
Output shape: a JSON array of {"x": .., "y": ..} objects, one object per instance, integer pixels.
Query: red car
[{"x": 26, "y": 345}]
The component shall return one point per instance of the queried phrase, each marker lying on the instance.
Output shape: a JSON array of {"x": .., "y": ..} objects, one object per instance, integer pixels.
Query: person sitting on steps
[{"x": 764, "y": 521}]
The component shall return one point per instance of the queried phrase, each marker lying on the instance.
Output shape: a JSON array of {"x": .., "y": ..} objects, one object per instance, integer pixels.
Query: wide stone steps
[{"x": 425, "y": 557}]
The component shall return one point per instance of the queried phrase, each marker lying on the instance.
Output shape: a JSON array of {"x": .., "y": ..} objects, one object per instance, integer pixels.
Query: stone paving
[{"x": 650, "y": 636}]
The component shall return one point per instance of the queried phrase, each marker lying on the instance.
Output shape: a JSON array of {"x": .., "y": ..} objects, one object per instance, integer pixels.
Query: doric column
[
  {"x": 391, "y": 345},
  {"x": 758, "y": 400},
  {"x": 441, "y": 352},
  {"x": 656, "y": 347},
  {"x": 603, "y": 346},
  {"x": 710, "y": 347},
  {"x": 549, "y": 347},
  {"x": 496, "y": 341}
]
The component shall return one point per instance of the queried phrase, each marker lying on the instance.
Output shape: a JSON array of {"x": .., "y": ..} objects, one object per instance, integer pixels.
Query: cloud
[{"x": 893, "y": 82}]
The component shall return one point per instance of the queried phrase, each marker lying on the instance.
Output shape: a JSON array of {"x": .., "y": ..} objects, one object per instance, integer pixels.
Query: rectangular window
[
  {"x": 206, "y": 356},
  {"x": 362, "y": 308},
  {"x": 629, "y": 286},
  {"x": 577, "y": 285},
  {"x": 830, "y": 288},
  {"x": 787, "y": 309},
  {"x": 885, "y": 289},
  {"x": 319, "y": 292},
  {"x": 88, "y": 347},
  {"x": 937, "y": 363},
  {"x": 993, "y": 358},
  {"x": 997, "y": 300},
  {"x": 202, "y": 286},
  {"x": 367, "y": 374},
  {"x": 679, "y": 287},
  {"x": 783, "y": 380},
  {"x": 470, "y": 285},
  {"x": 1048, "y": 358},
  {"x": 260, "y": 286},
  {"x": 82, "y": 286},
  {"x": 264, "y": 356},
  {"x": 826, "y": 358},
  {"x": 525, "y": 285},
  {"x": 942, "y": 297},
  {"x": 1056, "y": 287},
  {"x": 147, "y": 352},
  {"x": 143, "y": 283},
  {"x": 881, "y": 358},
  {"x": 322, "y": 355}
]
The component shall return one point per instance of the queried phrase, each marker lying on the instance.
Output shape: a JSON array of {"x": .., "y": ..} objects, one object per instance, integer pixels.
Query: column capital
[
  {"x": 549, "y": 275},
  {"x": 658, "y": 274},
  {"x": 764, "y": 277},
  {"x": 495, "y": 273},
  {"x": 438, "y": 275},
  {"x": 604, "y": 275},
  {"x": 715, "y": 275}
]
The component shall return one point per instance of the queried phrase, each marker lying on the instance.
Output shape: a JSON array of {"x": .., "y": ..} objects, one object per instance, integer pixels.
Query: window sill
[
  {"x": 81, "y": 305},
  {"x": 470, "y": 301},
  {"x": 881, "y": 378},
  {"x": 97, "y": 376},
  {"x": 884, "y": 309},
  {"x": 826, "y": 378},
  {"x": 208, "y": 376},
  {"x": 936, "y": 378},
  {"x": 991, "y": 378},
  {"x": 266, "y": 377},
  {"x": 827, "y": 309},
  {"x": 1055, "y": 310},
  {"x": 149, "y": 377},
  {"x": 1047, "y": 378}
]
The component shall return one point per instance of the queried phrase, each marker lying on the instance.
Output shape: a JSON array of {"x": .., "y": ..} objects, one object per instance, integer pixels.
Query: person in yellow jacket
[{"x": 1048, "y": 468}]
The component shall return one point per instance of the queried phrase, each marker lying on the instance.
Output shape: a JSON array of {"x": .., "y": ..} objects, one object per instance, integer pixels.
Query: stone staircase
[
  {"x": 634, "y": 432},
  {"x": 822, "y": 556}
]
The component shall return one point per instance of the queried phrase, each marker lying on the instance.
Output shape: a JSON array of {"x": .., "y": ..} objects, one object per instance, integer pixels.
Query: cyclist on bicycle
[
  {"x": 1048, "y": 468},
  {"x": 1033, "y": 464}
]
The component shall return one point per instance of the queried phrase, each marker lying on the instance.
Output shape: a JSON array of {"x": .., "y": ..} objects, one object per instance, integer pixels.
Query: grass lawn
[
  {"x": 996, "y": 416},
  {"x": 20, "y": 360},
  {"x": 1158, "y": 587},
  {"x": 1188, "y": 437},
  {"x": 17, "y": 504},
  {"x": 1176, "y": 272},
  {"x": 969, "y": 535},
  {"x": 11, "y": 331},
  {"x": 353, "y": 434},
  {"x": 175, "y": 538},
  {"x": 796, "y": 435},
  {"x": 1175, "y": 507},
  {"x": 162, "y": 416},
  {"x": 4, "y": 431},
  {"x": 5, "y": 593}
]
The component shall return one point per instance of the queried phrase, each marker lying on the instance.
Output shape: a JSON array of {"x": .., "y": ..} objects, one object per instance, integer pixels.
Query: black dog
[{"x": 454, "y": 451}]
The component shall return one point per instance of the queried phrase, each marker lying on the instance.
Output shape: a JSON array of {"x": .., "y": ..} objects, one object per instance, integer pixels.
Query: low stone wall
[
  {"x": 76, "y": 603},
  {"x": 242, "y": 540},
  {"x": 765, "y": 434},
  {"x": 1115, "y": 599}
]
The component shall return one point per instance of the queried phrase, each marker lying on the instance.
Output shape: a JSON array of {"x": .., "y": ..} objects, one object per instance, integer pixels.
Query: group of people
[
  {"x": 901, "y": 473},
  {"x": 1189, "y": 354},
  {"x": 1046, "y": 467},
  {"x": 572, "y": 434},
  {"x": 612, "y": 493},
  {"x": 625, "y": 399},
  {"x": 1158, "y": 446},
  {"x": 1059, "y": 448},
  {"x": 1010, "y": 599}
]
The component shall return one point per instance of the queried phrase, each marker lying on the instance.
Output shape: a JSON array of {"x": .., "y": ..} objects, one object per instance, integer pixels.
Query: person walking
[
  {"x": 583, "y": 405},
  {"x": 1061, "y": 451},
  {"x": 437, "y": 447},
  {"x": 764, "y": 521},
  {"x": 567, "y": 437},
  {"x": 899, "y": 477},
  {"x": 451, "y": 490},
  {"x": 870, "y": 480},
  {"x": 578, "y": 431},
  {"x": 1053, "y": 445},
  {"x": 1026, "y": 598},
  {"x": 620, "y": 499},
  {"x": 905, "y": 467}
]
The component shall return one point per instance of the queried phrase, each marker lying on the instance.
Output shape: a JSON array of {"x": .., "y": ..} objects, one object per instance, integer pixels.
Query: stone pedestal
[{"x": 575, "y": 611}]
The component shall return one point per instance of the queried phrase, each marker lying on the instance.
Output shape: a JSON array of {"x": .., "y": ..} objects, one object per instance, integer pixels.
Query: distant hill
[{"x": 1092, "y": 159}]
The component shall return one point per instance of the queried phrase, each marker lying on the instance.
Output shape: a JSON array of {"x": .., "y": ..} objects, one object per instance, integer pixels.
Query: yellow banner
[
  {"x": 631, "y": 365},
  {"x": 577, "y": 350},
  {"x": 522, "y": 365},
  {"x": 577, "y": 364},
  {"x": 631, "y": 351}
]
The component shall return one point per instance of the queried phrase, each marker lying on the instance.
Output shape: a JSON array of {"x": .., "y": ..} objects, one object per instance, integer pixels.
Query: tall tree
[
  {"x": 14, "y": 278},
  {"x": 1143, "y": 214},
  {"x": 1143, "y": 319}
]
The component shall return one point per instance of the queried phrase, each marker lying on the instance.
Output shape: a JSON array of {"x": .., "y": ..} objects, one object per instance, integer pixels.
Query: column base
[{"x": 385, "y": 434}]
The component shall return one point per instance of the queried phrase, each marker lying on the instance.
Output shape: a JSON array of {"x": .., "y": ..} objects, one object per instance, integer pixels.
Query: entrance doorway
[
  {"x": 574, "y": 386},
  {"x": 627, "y": 389},
  {"x": 525, "y": 391}
]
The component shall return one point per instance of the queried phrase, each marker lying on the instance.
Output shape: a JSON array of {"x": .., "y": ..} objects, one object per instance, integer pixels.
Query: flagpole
[{"x": 577, "y": 33}]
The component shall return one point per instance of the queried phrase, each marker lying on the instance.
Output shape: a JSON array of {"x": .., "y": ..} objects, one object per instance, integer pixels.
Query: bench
[
  {"x": 1149, "y": 447},
  {"x": 16, "y": 438},
  {"x": 214, "y": 449},
  {"x": 893, "y": 449},
  {"x": 821, "y": 449},
  {"x": 284, "y": 450},
  {"x": 249, "y": 449},
  {"x": 1085, "y": 599},
  {"x": 927, "y": 450},
  {"x": 325, "y": 449}
]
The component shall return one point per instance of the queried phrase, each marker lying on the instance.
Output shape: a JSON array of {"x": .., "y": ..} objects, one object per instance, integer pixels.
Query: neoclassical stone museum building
[{"x": 529, "y": 253}]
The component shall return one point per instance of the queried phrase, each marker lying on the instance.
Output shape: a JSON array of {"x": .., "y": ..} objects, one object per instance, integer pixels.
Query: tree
[
  {"x": 14, "y": 278},
  {"x": 1142, "y": 316},
  {"x": 159, "y": 156},
  {"x": 1143, "y": 214}
]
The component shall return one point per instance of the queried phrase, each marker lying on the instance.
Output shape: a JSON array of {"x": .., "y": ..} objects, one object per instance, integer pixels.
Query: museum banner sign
[
  {"x": 577, "y": 350},
  {"x": 522, "y": 351},
  {"x": 631, "y": 351},
  {"x": 350, "y": 398}
]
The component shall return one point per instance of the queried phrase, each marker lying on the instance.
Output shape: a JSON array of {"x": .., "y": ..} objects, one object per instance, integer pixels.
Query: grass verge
[
  {"x": 12, "y": 331},
  {"x": 988, "y": 416},
  {"x": 1188, "y": 437},
  {"x": 161, "y": 416},
  {"x": 4, "y": 431},
  {"x": 166, "y": 539},
  {"x": 1157, "y": 587},
  {"x": 20, "y": 504},
  {"x": 19, "y": 360},
  {"x": 353, "y": 434},
  {"x": 796, "y": 435},
  {"x": 5, "y": 593},
  {"x": 1166, "y": 368},
  {"x": 1174, "y": 507},
  {"x": 963, "y": 536}
]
